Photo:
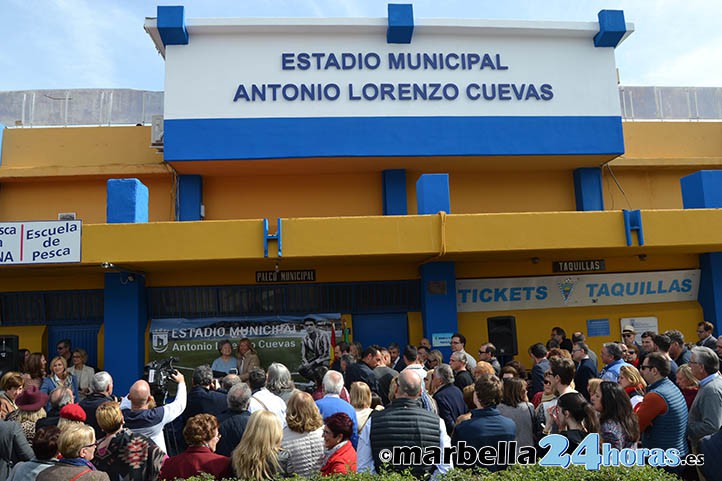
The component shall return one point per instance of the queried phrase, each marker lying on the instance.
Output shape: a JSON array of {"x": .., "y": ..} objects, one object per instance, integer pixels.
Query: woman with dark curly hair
[
  {"x": 618, "y": 424},
  {"x": 201, "y": 436},
  {"x": 340, "y": 454}
]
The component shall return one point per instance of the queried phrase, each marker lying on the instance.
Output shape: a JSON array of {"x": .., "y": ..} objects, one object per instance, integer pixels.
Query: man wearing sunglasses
[{"x": 663, "y": 412}]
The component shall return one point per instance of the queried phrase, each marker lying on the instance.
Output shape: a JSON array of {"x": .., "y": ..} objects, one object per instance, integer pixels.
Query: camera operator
[{"x": 142, "y": 419}]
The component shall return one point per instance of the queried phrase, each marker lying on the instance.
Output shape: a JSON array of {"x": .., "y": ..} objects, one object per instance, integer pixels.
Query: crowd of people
[{"x": 63, "y": 423}]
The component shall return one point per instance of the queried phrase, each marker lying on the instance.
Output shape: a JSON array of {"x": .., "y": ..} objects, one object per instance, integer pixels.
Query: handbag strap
[{"x": 80, "y": 474}]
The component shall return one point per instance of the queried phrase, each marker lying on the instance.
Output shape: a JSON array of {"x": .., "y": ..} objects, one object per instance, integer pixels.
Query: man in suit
[
  {"x": 397, "y": 362},
  {"x": 704, "y": 333},
  {"x": 705, "y": 415},
  {"x": 586, "y": 369},
  {"x": 538, "y": 354},
  {"x": 363, "y": 370}
]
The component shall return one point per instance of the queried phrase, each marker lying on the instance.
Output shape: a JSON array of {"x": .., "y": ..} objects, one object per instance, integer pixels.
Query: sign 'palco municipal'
[
  {"x": 519, "y": 293},
  {"x": 50, "y": 242}
]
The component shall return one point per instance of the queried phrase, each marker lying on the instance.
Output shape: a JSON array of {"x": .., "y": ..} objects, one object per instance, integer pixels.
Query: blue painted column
[
  {"x": 588, "y": 188},
  {"x": 703, "y": 190},
  {"x": 394, "y": 192},
  {"x": 127, "y": 201},
  {"x": 125, "y": 311},
  {"x": 438, "y": 279},
  {"x": 189, "y": 197},
  {"x": 126, "y": 317}
]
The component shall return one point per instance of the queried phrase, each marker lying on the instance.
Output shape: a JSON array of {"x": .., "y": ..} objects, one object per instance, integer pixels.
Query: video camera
[{"x": 158, "y": 373}]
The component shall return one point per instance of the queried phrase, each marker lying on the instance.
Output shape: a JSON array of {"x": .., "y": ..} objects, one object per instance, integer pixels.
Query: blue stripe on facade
[{"x": 262, "y": 138}]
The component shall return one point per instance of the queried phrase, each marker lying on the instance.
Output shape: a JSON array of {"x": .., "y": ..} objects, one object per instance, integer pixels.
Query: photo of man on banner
[{"x": 315, "y": 349}]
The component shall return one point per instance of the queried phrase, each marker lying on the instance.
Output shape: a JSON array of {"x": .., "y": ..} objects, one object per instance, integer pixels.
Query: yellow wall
[
  {"x": 672, "y": 143},
  {"x": 644, "y": 189},
  {"x": 535, "y": 325},
  {"x": 416, "y": 328},
  {"x": 292, "y": 196},
  {"x": 78, "y": 147},
  {"x": 504, "y": 191},
  {"x": 24, "y": 201},
  {"x": 34, "y": 338}
]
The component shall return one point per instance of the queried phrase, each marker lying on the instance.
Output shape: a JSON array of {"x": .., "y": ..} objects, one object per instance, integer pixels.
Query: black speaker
[
  {"x": 502, "y": 334},
  {"x": 8, "y": 353}
]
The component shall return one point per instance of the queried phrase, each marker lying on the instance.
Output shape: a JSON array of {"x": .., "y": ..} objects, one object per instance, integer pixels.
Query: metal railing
[{"x": 78, "y": 107}]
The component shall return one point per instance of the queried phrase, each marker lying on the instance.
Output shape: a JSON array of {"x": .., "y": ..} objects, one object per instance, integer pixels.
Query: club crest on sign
[{"x": 566, "y": 287}]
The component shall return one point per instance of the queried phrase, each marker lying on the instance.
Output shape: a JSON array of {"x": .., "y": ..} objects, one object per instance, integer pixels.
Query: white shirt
[{"x": 265, "y": 399}]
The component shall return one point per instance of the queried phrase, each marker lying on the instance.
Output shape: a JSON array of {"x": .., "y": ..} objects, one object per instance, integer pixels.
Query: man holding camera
[{"x": 141, "y": 418}]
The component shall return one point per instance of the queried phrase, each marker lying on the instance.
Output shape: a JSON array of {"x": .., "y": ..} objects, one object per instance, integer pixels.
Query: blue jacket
[
  {"x": 450, "y": 402},
  {"x": 537, "y": 377},
  {"x": 202, "y": 400},
  {"x": 487, "y": 427},
  {"x": 668, "y": 430},
  {"x": 585, "y": 371},
  {"x": 329, "y": 405},
  {"x": 610, "y": 372},
  {"x": 49, "y": 386}
]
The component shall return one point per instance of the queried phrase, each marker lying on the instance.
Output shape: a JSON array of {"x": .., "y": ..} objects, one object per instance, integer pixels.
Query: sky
[{"x": 63, "y": 44}]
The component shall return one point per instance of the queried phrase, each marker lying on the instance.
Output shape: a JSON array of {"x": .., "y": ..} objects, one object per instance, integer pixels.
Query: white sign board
[
  {"x": 519, "y": 293},
  {"x": 640, "y": 325},
  {"x": 51, "y": 242},
  {"x": 251, "y": 68}
]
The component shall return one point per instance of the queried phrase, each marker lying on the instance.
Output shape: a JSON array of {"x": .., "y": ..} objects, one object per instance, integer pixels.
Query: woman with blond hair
[
  {"x": 120, "y": 444},
  {"x": 361, "y": 402},
  {"x": 59, "y": 376},
  {"x": 83, "y": 374},
  {"x": 303, "y": 435},
  {"x": 688, "y": 384},
  {"x": 631, "y": 380},
  {"x": 77, "y": 447},
  {"x": 259, "y": 455}
]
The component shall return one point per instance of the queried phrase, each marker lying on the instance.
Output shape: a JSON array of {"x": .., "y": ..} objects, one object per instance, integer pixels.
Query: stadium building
[{"x": 417, "y": 177}]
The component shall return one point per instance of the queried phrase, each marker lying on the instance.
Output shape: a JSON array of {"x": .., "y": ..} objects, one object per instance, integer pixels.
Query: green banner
[{"x": 294, "y": 341}]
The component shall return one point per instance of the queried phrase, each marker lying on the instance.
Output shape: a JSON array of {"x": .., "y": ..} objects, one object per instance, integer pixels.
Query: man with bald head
[
  {"x": 141, "y": 419},
  {"x": 403, "y": 423}
]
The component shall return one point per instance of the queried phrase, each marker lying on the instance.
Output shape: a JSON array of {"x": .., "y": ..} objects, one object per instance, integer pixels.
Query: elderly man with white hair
[{"x": 331, "y": 402}]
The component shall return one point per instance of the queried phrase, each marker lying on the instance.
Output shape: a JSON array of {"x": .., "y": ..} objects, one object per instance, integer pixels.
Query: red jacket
[
  {"x": 196, "y": 460},
  {"x": 342, "y": 461}
]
